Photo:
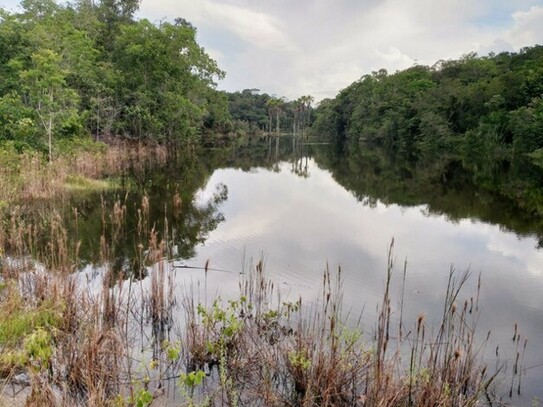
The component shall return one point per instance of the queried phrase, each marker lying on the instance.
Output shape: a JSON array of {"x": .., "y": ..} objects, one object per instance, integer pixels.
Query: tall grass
[
  {"x": 29, "y": 176},
  {"x": 134, "y": 339}
]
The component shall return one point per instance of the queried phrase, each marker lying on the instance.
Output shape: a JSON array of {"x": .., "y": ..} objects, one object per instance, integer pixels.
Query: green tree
[
  {"x": 275, "y": 107},
  {"x": 45, "y": 91}
]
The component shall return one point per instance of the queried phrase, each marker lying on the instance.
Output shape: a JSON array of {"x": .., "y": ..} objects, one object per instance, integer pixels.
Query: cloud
[
  {"x": 528, "y": 27},
  {"x": 251, "y": 26},
  {"x": 257, "y": 28},
  {"x": 318, "y": 47}
]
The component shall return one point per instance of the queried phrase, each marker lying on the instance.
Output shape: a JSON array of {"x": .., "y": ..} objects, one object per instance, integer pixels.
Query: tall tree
[
  {"x": 46, "y": 92},
  {"x": 275, "y": 106}
]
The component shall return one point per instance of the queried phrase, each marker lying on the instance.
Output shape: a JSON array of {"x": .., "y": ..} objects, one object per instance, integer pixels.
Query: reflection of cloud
[
  {"x": 523, "y": 254},
  {"x": 303, "y": 224},
  {"x": 276, "y": 212}
]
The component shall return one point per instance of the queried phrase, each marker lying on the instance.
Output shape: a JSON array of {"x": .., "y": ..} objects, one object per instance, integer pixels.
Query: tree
[
  {"x": 275, "y": 107},
  {"x": 305, "y": 102},
  {"x": 46, "y": 92},
  {"x": 167, "y": 80}
]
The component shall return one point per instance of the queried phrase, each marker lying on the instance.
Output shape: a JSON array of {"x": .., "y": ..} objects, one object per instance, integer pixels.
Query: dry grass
[
  {"x": 27, "y": 177},
  {"x": 290, "y": 355},
  {"x": 115, "y": 344}
]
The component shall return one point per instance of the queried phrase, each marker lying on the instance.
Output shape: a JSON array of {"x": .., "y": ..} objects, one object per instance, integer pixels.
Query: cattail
[
  {"x": 457, "y": 354},
  {"x": 420, "y": 321}
]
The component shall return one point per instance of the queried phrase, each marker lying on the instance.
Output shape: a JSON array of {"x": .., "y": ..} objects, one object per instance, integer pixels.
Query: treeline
[
  {"x": 90, "y": 68},
  {"x": 253, "y": 112},
  {"x": 485, "y": 113}
]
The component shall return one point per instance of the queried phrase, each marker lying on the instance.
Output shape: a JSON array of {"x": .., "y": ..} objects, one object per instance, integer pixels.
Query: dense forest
[
  {"x": 91, "y": 68},
  {"x": 476, "y": 116}
]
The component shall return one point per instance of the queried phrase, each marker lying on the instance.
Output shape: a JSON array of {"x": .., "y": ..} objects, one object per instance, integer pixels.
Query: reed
[
  {"x": 131, "y": 337},
  {"x": 29, "y": 176}
]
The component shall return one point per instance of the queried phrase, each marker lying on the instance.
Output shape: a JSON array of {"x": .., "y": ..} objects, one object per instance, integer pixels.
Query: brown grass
[
  {"x": 28, "y": 177},
  {"x": 126, "y": 340}
]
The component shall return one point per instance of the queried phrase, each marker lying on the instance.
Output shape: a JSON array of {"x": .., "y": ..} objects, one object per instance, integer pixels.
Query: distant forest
[
  {"x": 476, "y": 116},
  {"x": 90, "y": 68}
]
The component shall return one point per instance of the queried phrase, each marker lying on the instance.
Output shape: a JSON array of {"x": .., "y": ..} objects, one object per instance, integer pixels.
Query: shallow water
[{"x": 283, "y": 204}]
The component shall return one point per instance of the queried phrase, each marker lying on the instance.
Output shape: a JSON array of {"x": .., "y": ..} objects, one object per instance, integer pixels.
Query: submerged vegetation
[
  {"x": 82, "y": 167},
  {"x": 113, "y": 338}
]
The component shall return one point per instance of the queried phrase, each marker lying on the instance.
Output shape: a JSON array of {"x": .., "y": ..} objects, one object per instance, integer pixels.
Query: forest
[
  {"x": 90, "y": 68},
  {"x": 253, "y": 113},
  {"x": 480, "y": 115},
  {"x": 121, "y": 163}
]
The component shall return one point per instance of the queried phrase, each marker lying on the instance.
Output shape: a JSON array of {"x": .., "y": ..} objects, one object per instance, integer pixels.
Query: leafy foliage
[
  {"x": 485, "y": 112},
  {"x": 254, "y": 112},
  {"x": 91, "y": 68}
]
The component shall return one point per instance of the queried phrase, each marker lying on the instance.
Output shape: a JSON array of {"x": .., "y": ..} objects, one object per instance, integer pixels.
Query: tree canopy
[
  {"x": 485, "y": 113},
  {"x": 89, "y": 67}
]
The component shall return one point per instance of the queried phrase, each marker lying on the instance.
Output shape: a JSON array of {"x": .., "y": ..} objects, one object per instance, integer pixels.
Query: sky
[{"x": 318, "y": 47}]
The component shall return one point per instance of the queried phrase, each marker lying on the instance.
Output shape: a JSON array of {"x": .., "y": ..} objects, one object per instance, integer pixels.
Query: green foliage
[
  {"x": 91, "y": 68},
  {"x": 192, "y": 379},
  {"x": 224, "y": 322},
  {"x": 19, "y": 324},
  {"x": 299, "y": 360},
  {"x": 485, "y": 112},
  {"x": 173, "y": 351},
  {"x": 71, "y": 146},
  {"x": 143, "y": 398},
  {"x": 253, "y": 112},
  {"x": 38, "y": 347}
]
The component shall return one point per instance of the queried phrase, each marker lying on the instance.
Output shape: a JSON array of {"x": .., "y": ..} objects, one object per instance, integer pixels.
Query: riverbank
[{"x": 80, "y": 165}]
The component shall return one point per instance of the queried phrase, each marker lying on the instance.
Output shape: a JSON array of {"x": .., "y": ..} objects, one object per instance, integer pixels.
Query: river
[{"x": 303, "y": 208}]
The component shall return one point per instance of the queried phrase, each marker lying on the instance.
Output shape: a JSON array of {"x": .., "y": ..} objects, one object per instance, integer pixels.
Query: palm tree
[{"x": 275, "y": 106}]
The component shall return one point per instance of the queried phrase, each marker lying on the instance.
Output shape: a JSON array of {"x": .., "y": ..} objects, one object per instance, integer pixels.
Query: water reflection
[
  {"x": 303, "y": 206},
  {"x": 373, "y": 176},
  {"x": 159, "y": 200},
  {"x": 346, "y": 214}
]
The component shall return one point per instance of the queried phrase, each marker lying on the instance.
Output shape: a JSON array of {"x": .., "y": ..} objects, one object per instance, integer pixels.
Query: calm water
[{"x": 302, "y": 209}]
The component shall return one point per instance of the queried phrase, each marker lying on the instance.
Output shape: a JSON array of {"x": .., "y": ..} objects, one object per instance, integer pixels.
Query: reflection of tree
[
  {"x": 373, "y": 175},
  {"x": 256, "y": 152},
  {"x": 300, "y": 158},
  {"x": 172, "y": 213}
]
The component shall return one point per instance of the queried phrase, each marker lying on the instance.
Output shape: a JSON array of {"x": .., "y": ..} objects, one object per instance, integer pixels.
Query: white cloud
[
  {"x": 528, "y": 28},
  {"x": 256, "y": 28},
  {"x": 318, "y": 47}
]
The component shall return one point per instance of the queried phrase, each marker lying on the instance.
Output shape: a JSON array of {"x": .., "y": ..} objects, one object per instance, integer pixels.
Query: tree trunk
[{"x": 50, "y": 139}]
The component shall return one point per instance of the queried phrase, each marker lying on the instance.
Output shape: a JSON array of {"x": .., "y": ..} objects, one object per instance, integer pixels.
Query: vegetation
[
  {"x": 253, "y": 112},
  {"x": 89, "y": 68},
  {"x": 81, "y": 166},
  {"x": 76, "y": 74},
  {"x": 117, "y": 342},
  {"x": 483, "y": 114},
  {"x": 73, "y": 73}
]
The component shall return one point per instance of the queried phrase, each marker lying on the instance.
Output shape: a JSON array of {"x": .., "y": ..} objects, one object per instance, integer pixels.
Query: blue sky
[{"x": 317, "y": 47}]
